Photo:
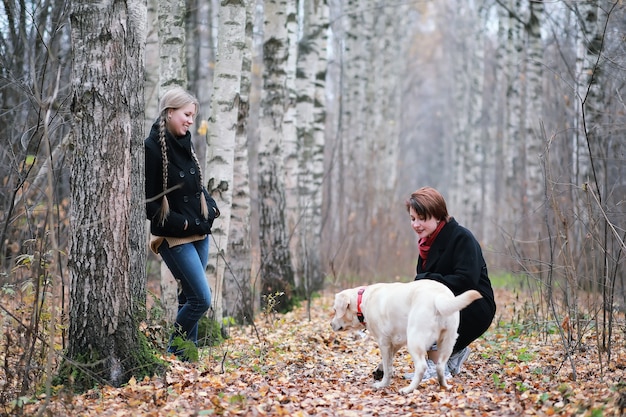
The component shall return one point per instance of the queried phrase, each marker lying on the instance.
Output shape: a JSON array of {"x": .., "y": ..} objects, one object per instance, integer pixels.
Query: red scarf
[{"x": 425, "y": 243}]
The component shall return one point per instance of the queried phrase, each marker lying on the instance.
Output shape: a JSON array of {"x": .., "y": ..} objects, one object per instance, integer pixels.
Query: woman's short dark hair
[{"x": 428, "y": 202}]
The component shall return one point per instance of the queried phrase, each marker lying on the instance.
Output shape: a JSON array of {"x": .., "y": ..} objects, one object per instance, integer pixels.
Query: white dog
[{"x": 415, "y": 314}]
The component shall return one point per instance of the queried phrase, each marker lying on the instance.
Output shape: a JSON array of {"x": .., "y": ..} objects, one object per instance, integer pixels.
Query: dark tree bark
[{"x": 107, "y": 251}]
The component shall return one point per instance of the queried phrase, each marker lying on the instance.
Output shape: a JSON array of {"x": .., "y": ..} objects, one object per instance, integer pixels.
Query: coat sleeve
[{"x": 214, "y": 212}]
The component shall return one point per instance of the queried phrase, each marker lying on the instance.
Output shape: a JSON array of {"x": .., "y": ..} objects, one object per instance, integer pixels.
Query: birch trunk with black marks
[
  {"x": 310, "y": 107},
  {"x": 276, "y": 272},
  {"x": 239, "y": 287},
  {"x": 223, "y": 123},
  {"x": 172, "y": 72}
]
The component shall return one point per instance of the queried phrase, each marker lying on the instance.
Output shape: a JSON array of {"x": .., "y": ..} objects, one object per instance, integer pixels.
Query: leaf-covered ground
[{"x": 300, "y": 367}]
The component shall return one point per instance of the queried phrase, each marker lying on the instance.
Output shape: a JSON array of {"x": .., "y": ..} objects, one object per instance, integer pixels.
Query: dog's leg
[
  {"x": 418, "y": 354},
  {"x": 445, "y": 347},
  {"x": 386, "y": 351},
  {"x": 378, "y": 372}
]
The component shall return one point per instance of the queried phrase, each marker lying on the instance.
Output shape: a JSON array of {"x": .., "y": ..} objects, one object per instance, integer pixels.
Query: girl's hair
[
  {"x": 175, "y": 98},
  {"x": 428, "y": 202}
]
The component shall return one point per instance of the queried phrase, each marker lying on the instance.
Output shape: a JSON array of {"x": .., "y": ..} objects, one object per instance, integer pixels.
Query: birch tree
[
  {"x": 592, "y": 144},
  {"x": 172, "y": 72},
  {"x": 152, "y": 67},
  {"x": 346, "y": 200},
  {"x": 534, "y": 185},
  {"x": 290, "y": 143},
  {"x": 468, "y": 136},
  {"x": 277, "y": 277},
  {"x": 239, "y": 289},
  {"x": 200, "y": 30},
  {"x": 588, "y": 92},
  {"x": 107, "y": 251},
  {"x": 222, "y": 132},
  {"x": 311, "y": 114}
]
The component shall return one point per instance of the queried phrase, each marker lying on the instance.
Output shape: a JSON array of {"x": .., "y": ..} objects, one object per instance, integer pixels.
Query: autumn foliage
[{"x": 293, "y": 365}]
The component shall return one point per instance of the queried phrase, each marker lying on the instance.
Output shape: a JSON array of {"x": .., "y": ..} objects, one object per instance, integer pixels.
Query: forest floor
[{"x": 290, "y": 365}]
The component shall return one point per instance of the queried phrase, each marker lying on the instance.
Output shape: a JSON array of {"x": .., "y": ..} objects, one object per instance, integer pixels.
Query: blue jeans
[{"x": 187, "y": 263}]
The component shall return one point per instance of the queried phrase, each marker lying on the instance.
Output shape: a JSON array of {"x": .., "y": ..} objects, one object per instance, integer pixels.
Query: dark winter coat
[
  {"x": 184, "y": 201},
  {"x": 456, "y": 260}
]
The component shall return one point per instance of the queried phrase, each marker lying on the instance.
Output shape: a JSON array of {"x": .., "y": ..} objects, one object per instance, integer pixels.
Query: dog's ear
[{"x": 342, "y": 302}]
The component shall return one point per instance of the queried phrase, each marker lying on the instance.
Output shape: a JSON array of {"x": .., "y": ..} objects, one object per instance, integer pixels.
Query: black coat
[
  {"x": 184, "y": 201},
  {"x": 456, "y": 260}
]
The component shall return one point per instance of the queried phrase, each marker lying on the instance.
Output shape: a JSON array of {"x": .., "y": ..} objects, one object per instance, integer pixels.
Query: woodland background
[{"x": 317, "y": 120}]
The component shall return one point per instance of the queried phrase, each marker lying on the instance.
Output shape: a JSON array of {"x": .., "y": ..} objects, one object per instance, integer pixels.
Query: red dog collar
[{"x": 359, "y": 313}]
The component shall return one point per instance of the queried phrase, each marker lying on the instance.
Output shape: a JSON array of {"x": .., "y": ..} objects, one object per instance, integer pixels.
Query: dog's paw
[
  {"x": 407, "y": 390},
  {"x": 378, "y": 374},
  {"x": 380, "y": 384}
]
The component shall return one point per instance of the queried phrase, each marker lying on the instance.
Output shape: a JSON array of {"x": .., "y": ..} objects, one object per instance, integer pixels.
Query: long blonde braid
[{"x": 165, "y": 205}]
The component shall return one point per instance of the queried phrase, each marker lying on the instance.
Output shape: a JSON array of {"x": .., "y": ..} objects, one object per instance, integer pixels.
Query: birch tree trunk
[
  {"x": 172, "y": 43},
  {"x": 346, "y": 199},
  {"x": 172, "y": 72},
  {"x": 200, "y": 65},
  {"x": 501, "y": 81},
  {"x": 587, "y": 50},
  {"x": 221, "y": 136},
  {"x": 310, "y": 85},
  {"x": 291, "y": 145},
  {"x": 475, "y": 163},
  {"x": 511, "y": 141},
  {"x": 277, "y": 277},
  {"x": 238, "y": 286},
  {"x": 590, "y": 141},
  {"x": 468, "y": 76},
  {"x": 533, "y": 184},
  {"x": 152, "y": 67},
  {"x": 107, "y": 249}
]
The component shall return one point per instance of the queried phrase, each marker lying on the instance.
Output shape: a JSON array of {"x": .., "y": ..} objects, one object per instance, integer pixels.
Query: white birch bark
[
  {"x": 238, "y": 286},
  {"x": 588, "y": 134},
  {"x": 590, "y": 142},
  {"x": 460, "y": 96},
  {"x": 290, "y": 141},
  {"x": 310, "y": 85},
  {"x": 172, "y": 71},
  {"x": 172, "y": 44},
  {"x": 533, "y": 138},
  {"x": 495, "y": 189},
  {"x": 511, "y": 146},
  {"x": 276, "y": 268},
  {"x": 151, "y": 89},
  {"x": 221, "y": 141},
  {"x": 335, "y": 128},
  {"x": 200, "y": 66},
  {"x": 384, "y": 91},
  {"x": 347, "y": 201},
  {"x": 473, "y": 67}
]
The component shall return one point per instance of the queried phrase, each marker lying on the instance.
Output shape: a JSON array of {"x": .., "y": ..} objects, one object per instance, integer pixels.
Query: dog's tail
[{"x": 446, "y": 305}]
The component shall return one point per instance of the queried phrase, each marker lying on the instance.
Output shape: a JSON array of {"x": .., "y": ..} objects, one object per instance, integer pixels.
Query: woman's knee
[
  {"x": 203, "y": 300},
  {"x": 206, "y": 303}
]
